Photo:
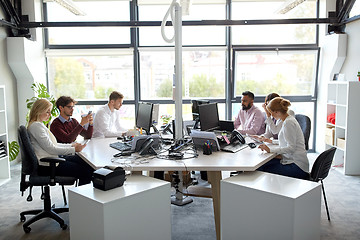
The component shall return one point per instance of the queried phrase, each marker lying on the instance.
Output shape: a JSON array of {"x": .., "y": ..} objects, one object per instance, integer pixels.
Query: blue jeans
[{"x": 289, "y": 170}]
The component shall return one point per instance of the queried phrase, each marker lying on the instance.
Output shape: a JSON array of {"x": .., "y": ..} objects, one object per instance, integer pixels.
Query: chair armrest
[{"x": 52, "y": 161}]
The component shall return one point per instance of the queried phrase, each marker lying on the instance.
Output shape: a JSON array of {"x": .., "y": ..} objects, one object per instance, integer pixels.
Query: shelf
[{"x": 342, "y": 100}]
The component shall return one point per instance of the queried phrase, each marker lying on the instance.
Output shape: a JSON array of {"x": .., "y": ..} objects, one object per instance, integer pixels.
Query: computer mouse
[{"x": 252, "y": 145}]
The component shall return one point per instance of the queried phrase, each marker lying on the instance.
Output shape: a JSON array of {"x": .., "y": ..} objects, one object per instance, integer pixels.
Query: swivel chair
[
  {"x": 305, "y": 125},
  {"x": 320, "y": 171},
  {"x": 30, "y": 178}
]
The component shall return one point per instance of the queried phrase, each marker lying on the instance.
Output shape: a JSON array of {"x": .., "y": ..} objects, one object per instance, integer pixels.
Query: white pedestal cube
[
  {"x": 140, "y": 209},
  {"x": 259, "y": 205}
]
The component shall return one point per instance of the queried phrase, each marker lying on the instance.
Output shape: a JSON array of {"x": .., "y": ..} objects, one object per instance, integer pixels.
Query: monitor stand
[{"x": 179, "y": 199}]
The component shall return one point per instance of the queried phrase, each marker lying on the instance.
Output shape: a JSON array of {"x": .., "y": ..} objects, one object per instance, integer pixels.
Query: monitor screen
[
  {"x": 209, "y": 116},
  {"x": 144, "y": 116},
  {"x": 195, "y": 107}
]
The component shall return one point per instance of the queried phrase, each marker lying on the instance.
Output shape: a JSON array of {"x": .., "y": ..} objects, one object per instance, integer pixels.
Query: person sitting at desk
[
  {"x": 292, "y": 160},
  {"x": 250, "y": 117},
  {"x": 65, "y": 128},
  {"x": 273, "y": 126},
  {"x": 45, "y": 145},
  {"x": 107, "y": 118}
]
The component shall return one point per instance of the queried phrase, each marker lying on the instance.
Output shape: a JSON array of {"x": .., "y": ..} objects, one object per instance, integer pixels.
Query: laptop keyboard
[{"x": 121, "y": 146}]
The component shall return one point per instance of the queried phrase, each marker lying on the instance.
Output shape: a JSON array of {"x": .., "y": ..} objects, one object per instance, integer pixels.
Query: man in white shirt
[{"x": 107, "y": 118}]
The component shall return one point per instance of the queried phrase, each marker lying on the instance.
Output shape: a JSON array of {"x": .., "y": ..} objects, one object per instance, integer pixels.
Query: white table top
[
  {"x": 272, "y": 183},
  {"x": 98, "y": 154}
]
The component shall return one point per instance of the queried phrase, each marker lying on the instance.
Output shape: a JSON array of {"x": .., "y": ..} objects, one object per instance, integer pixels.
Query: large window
[
  {"x": 85, "y": 77},
  {"x": 192, "y": 35},
  {"x": 284, "y": 72},
  {"x": 94, "y": 11},
  {"x": 203, "y": 73},
  {"x": 218, "y": 62},
  {"x": 273, "y": 34}
]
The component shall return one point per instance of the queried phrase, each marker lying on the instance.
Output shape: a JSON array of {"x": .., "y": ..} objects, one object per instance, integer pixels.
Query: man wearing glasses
[{"x": 65, "y": 128}]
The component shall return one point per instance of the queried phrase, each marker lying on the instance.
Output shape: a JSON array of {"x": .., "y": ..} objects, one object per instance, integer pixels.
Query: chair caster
[
  {"x": 27, "y": 229},
  {"x": 64, "y": 227},
  {"x": 22, "y": 218}
]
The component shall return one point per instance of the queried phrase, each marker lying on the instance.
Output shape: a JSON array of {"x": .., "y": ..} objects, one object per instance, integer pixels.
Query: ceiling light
[{"x": 288, "y": 5}]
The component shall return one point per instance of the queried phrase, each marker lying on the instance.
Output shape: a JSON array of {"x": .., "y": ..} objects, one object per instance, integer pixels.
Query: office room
[{"x": 306, "y": 51}]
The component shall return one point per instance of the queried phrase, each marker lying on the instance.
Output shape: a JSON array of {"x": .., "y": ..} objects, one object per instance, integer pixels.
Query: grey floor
[{"x": 193, "y": 221}]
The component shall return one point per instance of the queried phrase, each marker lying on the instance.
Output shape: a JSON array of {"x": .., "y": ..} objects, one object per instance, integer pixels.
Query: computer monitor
[
  {"x": 195, "y": 107},
  {"x": 209, "y": 116},
  {"x": 144, "y": 116}
]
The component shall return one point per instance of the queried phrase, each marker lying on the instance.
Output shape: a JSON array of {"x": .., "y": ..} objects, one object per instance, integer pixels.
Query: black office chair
[
  {"x": 30, "y": 178},
  {"x": 320, "y": 171},
  {"x": 305, "y": 124}
]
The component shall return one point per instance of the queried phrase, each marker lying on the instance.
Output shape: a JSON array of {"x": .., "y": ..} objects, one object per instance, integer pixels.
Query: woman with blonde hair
[
  {"x": 45, "y": 145},
  {"x": 292, "y": 160}
]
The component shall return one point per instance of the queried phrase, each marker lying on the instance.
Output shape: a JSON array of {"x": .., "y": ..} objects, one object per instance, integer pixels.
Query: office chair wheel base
[
  {"x": 22, "y": 218},
  {"x": 27, "y": 229},
  {"x": 64, "y": 227}
]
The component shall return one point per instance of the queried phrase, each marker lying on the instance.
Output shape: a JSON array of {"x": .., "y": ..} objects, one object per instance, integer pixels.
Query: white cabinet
[
  {"x": 344, "y": 100},
  {"x": 4, "y": 157}
]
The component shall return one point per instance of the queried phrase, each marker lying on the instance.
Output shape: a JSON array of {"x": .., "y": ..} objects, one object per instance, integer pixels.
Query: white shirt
[
  {"x": 273, "y": 128},
  {"x": 107, "y": 123},
  {"x": 45, "y": 144},
  {"x": 291, "y": 144}
]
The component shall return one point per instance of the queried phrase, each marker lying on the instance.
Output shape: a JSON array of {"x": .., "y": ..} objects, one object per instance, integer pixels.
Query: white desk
[
  {"x": 97, "y": 153},
  {"x": 96, "y": 214},
  {"x": 260, "y": 205}
]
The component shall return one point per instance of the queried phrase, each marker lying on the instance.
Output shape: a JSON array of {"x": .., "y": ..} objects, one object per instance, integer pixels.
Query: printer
[{"x": 108, "y": 178}]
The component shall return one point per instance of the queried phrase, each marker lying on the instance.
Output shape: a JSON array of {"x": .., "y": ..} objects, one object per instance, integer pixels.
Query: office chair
[
  {"x": 30, "y": 178},
  {"x": 305, "y": 125},
  {"x": 320, "y": 170}
]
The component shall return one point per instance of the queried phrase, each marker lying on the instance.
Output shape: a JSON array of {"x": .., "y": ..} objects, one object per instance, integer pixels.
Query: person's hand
[
  {"x": 264, "y": 147},
  {"x": 86, "y": 119},
  {"x": 264, "y": 139},
  {"x": 268, "y": 114},
  {"x": 79, "y": 147}
]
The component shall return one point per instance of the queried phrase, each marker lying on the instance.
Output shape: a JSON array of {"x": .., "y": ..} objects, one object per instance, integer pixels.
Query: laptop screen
[{"x": 209, "y": 116}]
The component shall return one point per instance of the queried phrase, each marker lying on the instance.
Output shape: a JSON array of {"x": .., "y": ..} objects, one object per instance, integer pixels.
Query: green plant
[
  {"x": 41, "y": 92},
  {"x": 14, "y": 150}
]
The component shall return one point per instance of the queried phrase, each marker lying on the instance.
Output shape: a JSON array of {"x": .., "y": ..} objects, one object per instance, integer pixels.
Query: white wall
[
  {"x": 352, "y": 63},
  {"x": 8, "y": 79}
]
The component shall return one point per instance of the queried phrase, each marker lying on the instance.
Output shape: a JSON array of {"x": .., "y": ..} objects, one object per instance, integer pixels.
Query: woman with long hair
[
  {"x": 45, "y": 145},
  {"x": 292, "y": 158}
]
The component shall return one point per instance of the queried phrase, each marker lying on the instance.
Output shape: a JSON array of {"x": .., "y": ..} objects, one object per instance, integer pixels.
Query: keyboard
[
  {"x": 121, "y": 146},
  {"x": 233, "y": 147}
]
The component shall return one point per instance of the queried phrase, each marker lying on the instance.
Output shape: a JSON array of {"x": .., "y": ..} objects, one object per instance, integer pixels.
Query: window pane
[
  {"x": 91, "y": 77},
  {"x": 115, "y": 11},
  {"x": 203, "y": 74},
  {"x": 151, "y": 36},
  {"x": 274, "y": 34},
  {"x": 286, "y": 73},
  {"x": 242, "y": 10}
]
